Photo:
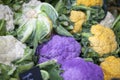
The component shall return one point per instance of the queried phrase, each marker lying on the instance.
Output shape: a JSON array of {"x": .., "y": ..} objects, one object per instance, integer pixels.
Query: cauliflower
[
  {"x": 59, "y": 48},
  {"x": 78, "y": 17},
  {"x": 7, "y": 14},
  {"x": 78, "y": 69},
  {"x": 90, "y": 2},
  {"x": 37, "y": 18},
  {"x": 111, "y": 67},
  {"x": 10, "y": 49},
  {"x": 103, "y": 40}
]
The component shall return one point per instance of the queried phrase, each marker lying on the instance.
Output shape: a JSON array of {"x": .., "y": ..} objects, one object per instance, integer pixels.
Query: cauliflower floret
[
  {"x": 59, "y": 48},
  {"x": 78, "y": 69},
  {"x": 75, "y": 16},
  {"x": 103, "y": 40},
  {"x": 111, "y": 67},
  {"x": 10, "y": 49},
  {"x": 78, "y": 17},
  {"x": 90, "y": 2},
  {"x": 7, "y": 14}
]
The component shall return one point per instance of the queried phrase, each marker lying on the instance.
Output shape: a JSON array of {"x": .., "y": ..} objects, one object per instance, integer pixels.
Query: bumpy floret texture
[
  {"x": 7, "y": 14},
  {"x": 79, "y": 69},
  {"x": 111, "y": 67},
  {"x": 59, "y": 48},
  {"x": 10, "y": 49},
  {"x": 90, "y": 2},
  {"x": 103, "y": 40},
  {"x": 78, "y": 17}
]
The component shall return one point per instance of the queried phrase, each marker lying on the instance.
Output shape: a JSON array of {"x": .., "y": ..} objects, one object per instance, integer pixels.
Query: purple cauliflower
[
  {"x": 79, "y": 69},
  {"x": 59, "y": 48}
]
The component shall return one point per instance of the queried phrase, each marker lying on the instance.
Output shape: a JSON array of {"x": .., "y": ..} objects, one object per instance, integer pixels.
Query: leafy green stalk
[
  {"x": 27, "y": 56},
  {"x": 3, "y": 71},
  {"x": 50, "y": 11},
  {"x": 2, "y": 27},
  {"x": 116, "y": 28},
  {"x": 59, "y": 5},
  {"x": 52, "y": 68},
  {"x": 45, "y": 75},
  {"x": 21, "y": 68},
  {"x": 115, "y": 22},
  {"x": 62, "y": 31},
  {"x": 47, "y": 63}
]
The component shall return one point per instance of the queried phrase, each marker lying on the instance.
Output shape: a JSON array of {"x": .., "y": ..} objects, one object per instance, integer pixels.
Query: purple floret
[
  {"x": 59, "y": 48},
  {"x": 78, "y": 69}
]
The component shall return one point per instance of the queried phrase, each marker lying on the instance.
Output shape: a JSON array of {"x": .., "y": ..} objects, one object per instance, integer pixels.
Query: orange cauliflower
[
  {"x": 78, "y": 17},
  {"x": 90, "y": 2},
  {"x": 111, "y": 67},
  {"x": 103, "y": 40}
]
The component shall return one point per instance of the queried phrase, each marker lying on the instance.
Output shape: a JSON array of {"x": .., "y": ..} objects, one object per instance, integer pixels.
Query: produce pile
[{"x": 66, "y": 39}]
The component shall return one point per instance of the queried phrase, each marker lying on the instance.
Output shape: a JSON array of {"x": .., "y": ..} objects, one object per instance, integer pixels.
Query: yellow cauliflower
[
  {"x": 78, "y": 17},
  {"x": 90, "y": 2},
  {"x": 103, "y": 40},
  {"x": 111, "y": 67}
]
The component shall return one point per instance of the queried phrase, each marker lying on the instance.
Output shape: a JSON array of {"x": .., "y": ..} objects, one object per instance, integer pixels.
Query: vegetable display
[{"x": 64, "y": 39}]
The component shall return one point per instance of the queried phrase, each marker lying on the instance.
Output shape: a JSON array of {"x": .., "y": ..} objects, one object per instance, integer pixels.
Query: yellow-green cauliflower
[
  {"x": 111, "y": 68},
  {"x": 78, "y": 18},
  {"x": 103, "y": 40},
  {"x": 90, "y": 2}
]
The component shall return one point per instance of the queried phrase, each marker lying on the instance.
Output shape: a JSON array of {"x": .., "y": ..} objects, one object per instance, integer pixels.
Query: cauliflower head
[
  {"x": 78, "y": 18},
  {"x": 111, "y": 67},
  {"x": 10, "y": 49},
  {"x": 103, "y": 40},
  {"x": 90, "y": 2},
  {"x": 7, "y": 14},
  {"x": 59, "y": 48},
  {"x": 79, "y": 69}
]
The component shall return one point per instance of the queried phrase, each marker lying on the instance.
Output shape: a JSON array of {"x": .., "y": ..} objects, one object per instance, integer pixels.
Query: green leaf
[
  {"x": 115, "y": 22},
  {"x": 54, "y": 72},
  {"x": 52, "y": 68},
  {"x": 59, "y": 5},
  {"x": 4, "y": 69},
  {"x": 50, "y": 11},
  {"x": 28, "y": 53},
  {"x": 45, "y": 75},
  {"x": 21, "y": 68},
  {"x": 12, "y": 70},
  {"x": 43, "y": 28},
  {"x": 62, "y": 31},
  {"x": 2, "y": 27},
  {"x": 26, "y": 29}
]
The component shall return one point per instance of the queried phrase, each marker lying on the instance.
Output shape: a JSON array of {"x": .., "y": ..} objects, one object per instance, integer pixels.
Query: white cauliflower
[
  {"x": 10, "y": 49},
  {"x": 7, "y": 14}
]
